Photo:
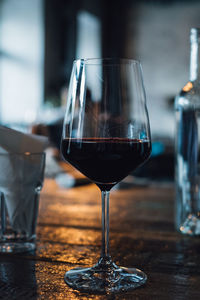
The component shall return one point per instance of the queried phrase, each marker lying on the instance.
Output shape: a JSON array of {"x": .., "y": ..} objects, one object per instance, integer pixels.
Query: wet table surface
[{"x": 69, "y": 235}]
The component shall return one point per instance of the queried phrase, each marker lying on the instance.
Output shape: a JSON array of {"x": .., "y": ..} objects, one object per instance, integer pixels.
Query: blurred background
[{"x": 40, "y": 39}]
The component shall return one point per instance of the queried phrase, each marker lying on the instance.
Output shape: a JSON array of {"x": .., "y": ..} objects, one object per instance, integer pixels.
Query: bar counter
[{"x": 142, "y": 235}]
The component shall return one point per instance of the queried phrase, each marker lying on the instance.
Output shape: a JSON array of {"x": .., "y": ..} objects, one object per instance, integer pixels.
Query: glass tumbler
[{"x": 21, "y": 180}]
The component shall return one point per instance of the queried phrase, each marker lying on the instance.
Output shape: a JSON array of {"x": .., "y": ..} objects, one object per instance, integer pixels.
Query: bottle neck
[
  {"x": 195, "y": 54},
  {"x": 195, "y": 62}
]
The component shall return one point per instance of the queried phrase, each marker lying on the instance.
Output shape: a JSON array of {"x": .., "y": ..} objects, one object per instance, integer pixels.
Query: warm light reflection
[
  {"x": 188, "y": 87},
  {"x": 75, "y": 236},
  {"x": 27, "y": 153},
  {"x": 78, "y": 210}
]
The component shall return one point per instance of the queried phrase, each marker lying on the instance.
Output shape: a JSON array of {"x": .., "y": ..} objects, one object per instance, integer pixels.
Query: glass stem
[{"x": 105, "y": 225}]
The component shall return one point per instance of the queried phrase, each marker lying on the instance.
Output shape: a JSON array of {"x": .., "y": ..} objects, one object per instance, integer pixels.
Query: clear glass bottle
[{"x": 187, "y": 106}]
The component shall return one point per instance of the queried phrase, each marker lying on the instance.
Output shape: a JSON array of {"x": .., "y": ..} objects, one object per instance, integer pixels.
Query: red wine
[{"x": 105, "y": 161}]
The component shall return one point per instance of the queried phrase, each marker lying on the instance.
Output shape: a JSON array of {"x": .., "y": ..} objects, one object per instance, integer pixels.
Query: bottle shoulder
[{"x": 189, "y": 95}]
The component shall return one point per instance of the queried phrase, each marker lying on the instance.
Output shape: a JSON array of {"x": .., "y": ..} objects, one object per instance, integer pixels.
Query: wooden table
[{"x": 69, "y": 235}]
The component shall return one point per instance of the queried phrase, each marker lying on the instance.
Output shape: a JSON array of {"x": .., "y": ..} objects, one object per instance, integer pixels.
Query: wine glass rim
[{"x": 107, "y": 61}]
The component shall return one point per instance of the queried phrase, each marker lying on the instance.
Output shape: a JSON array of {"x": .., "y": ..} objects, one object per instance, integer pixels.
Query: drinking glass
[
  {"x": 106, "y": 135},
  {"x": 21, "y": 180}
]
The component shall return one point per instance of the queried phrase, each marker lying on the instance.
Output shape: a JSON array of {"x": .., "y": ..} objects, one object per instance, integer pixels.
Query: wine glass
[{"x": 106, "y": 135}]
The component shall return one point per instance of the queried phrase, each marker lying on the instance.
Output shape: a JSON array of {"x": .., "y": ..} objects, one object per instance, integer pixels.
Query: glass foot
[{"x": 102, "y": 280}]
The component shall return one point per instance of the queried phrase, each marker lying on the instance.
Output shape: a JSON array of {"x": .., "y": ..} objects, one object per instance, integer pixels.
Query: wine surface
[{"x": 105, "y": 161}]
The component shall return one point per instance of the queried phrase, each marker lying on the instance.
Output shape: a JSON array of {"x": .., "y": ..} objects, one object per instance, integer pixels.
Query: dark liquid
[{"x": 105, "y": 161}]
